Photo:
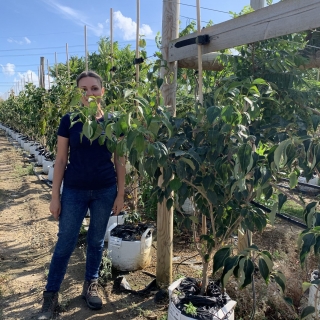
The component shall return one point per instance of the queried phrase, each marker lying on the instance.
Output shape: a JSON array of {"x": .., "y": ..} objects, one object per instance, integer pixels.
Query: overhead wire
[{"x": 190, "y": 5}]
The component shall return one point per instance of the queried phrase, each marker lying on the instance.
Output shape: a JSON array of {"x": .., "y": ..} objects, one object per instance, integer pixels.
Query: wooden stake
[
  {"x": 135, "y": 184},
  {"x": 170, "y": 30},
  {"x": 48, "y": 70},
  {"x": 111, "y": 36},
  {"x": 55, "y": 64},
  {"x": 42, "y": 81},
  {"x": 68, "y": 66},
  {"x": 200, "y": 85},
  {"x": 85, "y": 46}
]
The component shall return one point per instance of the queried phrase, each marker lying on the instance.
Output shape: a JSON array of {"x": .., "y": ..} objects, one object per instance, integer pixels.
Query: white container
[
  {"x": 45, "y": 166},
  {"x": 113, "y": 222},
  {"x": 130, "y": 255},
  {"x": 33, "y": 148},
  {"x": 313, "y": 300},
  {"x": 26, "y": 146},
  {"x": 225, "y": 313},
  {"x": 50, "y": 173}
]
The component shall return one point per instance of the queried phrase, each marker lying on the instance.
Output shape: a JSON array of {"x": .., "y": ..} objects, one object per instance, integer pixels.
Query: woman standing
[{"x": 90, "y": 180}]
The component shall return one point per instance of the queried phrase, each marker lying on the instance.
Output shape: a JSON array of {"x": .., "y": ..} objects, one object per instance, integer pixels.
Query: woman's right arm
[{"x": 58, "y": 173}]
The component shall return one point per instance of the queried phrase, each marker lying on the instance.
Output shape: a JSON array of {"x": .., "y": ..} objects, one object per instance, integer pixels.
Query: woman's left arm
[{"x": 120, "y": 166}]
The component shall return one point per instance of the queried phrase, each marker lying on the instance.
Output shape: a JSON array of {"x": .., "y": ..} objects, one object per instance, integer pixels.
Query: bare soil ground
[{"x": 28, "y": 235}]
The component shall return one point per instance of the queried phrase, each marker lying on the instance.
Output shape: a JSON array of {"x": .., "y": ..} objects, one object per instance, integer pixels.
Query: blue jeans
[{"x": 74, "y": 206}]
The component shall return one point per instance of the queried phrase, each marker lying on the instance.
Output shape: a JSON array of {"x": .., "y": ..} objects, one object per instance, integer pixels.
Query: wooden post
[
  {"x": 41, "y": 80},
  {"x": 111, "y": 36},
  {"x": 85, "y": 46},
  {"x": 200, "y": 94},
  {"x": 55, "y": 64},
  {"x": 111, "y": 47},
  {"x": 135, "y": 184},
  {"x": 48, "y": 70},
  {"x": 68, "y": 66},
  {"x": 257, "y": 4},
  {"x": 170, "y": 30}
]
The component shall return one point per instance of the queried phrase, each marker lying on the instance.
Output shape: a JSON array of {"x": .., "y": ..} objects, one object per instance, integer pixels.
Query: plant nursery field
[{"x": 28, "y": 234}]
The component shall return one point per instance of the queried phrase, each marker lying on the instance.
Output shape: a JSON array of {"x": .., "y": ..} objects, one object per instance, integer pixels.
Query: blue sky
[{"x": 35, "y": 28}]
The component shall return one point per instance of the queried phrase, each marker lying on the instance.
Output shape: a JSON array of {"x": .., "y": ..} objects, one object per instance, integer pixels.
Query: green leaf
[
  {"x": 309, "y": 241},
  {"x": 293, "y": 180},
  {"x": 281, "y": 152},
  {"x": 264, "y": 269},
  {"x": 280, "y": 279},
  {"x": 267, "y": 260},
  {"x": 306, "y": 286},
  {"x": 307, "y": 311},
  {"x": 139, "y": 143},
  {"x": 169, "y": 203},
  {"x": 159, "y": 82},
  {"x": 272, "y": 214},
  {"x": 282, "y": 199},
  {"x": 259, "y": 81},
  {"x": 175, "y": 184},
  {"x": 219, "y": 258},
  {"x": 229, "y": 265},
  {"x": 248, "y": 270},
  {"x": 245, "y": 156},
  {"x": 189, "y": 162},
  {"x": 213, "y": 113},
  {"x": 212, "y": 196}
]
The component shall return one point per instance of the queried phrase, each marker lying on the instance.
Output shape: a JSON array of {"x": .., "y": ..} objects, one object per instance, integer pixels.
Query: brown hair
[{"x": 89, "y": 73}]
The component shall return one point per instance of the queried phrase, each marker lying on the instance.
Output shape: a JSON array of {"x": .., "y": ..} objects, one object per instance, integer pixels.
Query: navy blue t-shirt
[{"x": 90, "y": 166}]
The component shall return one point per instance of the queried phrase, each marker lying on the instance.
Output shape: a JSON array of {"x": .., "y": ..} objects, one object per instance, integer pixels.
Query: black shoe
[
  {"x": 50, "y": 302},
  {"x": 91, "y": 295}
]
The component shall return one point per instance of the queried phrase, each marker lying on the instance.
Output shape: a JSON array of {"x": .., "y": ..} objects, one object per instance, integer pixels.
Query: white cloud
[
  {"x": 75, "y": 16},
  {"x": 128, "y": 27},
  {"x": 8, "y": 69},
  {"x": 24, "y": 41}
]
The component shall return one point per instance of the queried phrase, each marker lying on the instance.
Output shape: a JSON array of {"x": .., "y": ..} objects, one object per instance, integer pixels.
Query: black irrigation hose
[
  {"x": 280, "y": 215},
  {"x": 312, "y": 186}
]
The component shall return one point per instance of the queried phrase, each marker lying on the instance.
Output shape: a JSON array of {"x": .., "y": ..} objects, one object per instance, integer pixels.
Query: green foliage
[{"x": 190, "y": 309}]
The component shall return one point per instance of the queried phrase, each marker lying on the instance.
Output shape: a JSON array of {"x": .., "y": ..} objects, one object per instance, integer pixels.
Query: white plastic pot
[
  {"x": 39, "y": 157},
  {"x": 130, "y": 255},
  {"x": 225, "y": 313},
  {"x": 33, "y": 148},
  {"x": 313, "y": 300},
  {"x": 50, "y": 173},
  {"x": 112, "y": 223},
  {"x": 45, "y": 166},
  {"x": 26, "y": 146}
]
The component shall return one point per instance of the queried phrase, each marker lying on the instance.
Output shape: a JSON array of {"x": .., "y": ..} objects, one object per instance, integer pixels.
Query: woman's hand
[
  {"x": 118, "y": 205},
  {"x": 55, "y": 208}
]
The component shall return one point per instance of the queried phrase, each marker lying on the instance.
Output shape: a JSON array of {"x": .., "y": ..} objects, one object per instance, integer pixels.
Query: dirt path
[{"x": 27, "y": 238}]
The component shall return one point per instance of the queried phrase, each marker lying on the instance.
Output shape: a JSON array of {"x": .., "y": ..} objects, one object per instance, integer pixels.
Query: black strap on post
[
  {"x": 138, "y": 60},
  {"x": 199, "y": 40}
]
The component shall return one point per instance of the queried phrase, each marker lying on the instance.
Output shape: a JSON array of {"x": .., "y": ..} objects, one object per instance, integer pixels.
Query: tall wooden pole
[
  {"x": 135, "y": 184},
  {"x": 111, "y": 47},
  {"x": 55, "y": 64},
  {"x": 200, "y": 85},
  {"x": 170, "y": 31},
  {"x": 85, "y": 46},
  {"x": 42, "y": 81},
  {"x": 111, "y": 36},
  {"x": 68, "y": 66},
  {"x": 48, "y": 70}
]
